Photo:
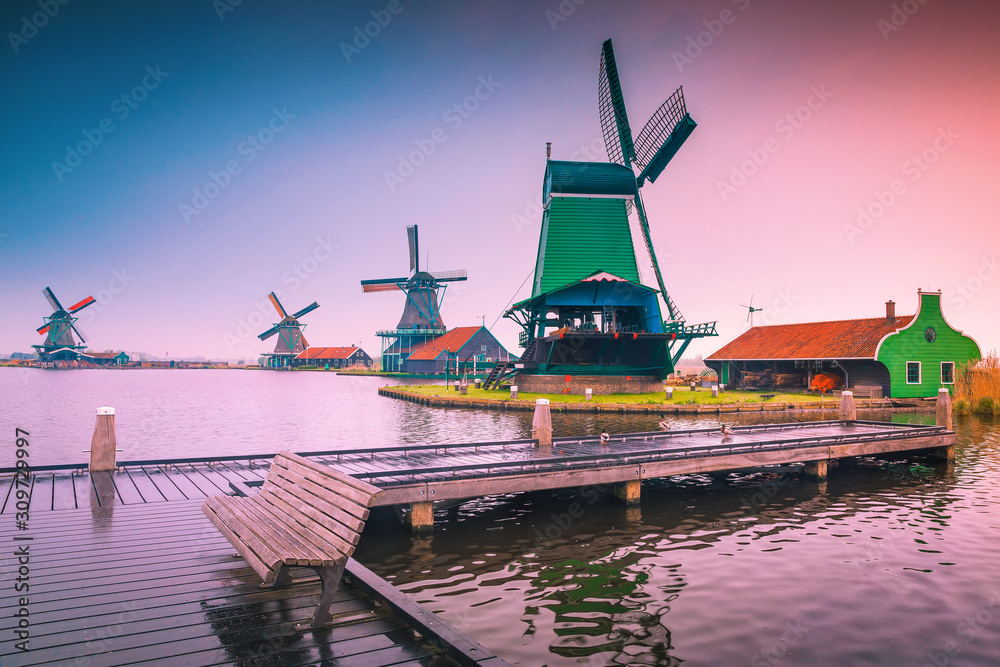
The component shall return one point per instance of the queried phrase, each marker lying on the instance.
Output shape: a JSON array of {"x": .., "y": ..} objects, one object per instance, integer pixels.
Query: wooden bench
[{"x": 305, "y": 515}]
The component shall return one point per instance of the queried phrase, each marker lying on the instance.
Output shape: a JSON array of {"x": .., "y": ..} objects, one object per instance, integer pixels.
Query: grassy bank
[
  {"x": 682, "y": 396},
  {"x": 977, "y": 387}
]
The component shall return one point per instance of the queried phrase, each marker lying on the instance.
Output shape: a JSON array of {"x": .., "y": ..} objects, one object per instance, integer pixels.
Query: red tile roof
[
  {"x": 327, "y": 352},
  {"x": 453, "y": 341},
  {"x": 842, "y": 339}
]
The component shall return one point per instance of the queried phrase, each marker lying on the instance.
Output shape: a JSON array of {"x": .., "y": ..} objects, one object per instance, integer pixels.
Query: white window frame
[
  {"x": 920, "y": 372},
  {"x": 952, "y": 372}
]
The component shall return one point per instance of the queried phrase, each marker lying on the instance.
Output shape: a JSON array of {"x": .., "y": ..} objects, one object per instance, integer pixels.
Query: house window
[
  {"x": 947, "y": 372},
  {"x": 912, "y": 372}
]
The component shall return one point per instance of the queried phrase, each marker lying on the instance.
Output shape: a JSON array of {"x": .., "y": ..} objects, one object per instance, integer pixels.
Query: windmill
[
  {"x": 290, "y": 341},
  {"x": 750, "y": 311},
  {"x": 587, "y": 285},
  {"x": 657, "y": 143},
  {"x": 421, "y": 318},
  {"x": 60, "y": 326}
]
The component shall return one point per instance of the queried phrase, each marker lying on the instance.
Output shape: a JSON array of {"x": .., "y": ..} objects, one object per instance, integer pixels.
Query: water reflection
[{"x": 710, "y": 567}]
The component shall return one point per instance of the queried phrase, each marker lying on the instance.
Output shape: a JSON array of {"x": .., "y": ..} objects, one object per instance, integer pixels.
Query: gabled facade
[
  {"x": 907, "y": 356},
  {"x": 463, "y": 349},
  {"x": 333, "y": 357}
]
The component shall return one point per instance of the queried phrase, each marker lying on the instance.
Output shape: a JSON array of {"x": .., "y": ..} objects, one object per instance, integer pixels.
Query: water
[{"x": 890, "y": 562}]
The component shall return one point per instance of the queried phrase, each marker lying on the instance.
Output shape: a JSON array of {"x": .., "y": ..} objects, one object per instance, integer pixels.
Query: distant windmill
[
  {"x": 421, "y": 319},
  {"x": 657, "y": 143},
  {"x": 290, "y": 339},
  {"x": 423, "y": 303},
  {"x": 751, "y": 310},
  {"x": 59, "y": 326}
]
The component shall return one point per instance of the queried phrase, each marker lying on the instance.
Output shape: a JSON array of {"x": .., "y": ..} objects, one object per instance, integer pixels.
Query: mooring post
[
  {"x": 541, "y": 423},
  {"x": 589, "y": 393},
  {"x": 815, "y": 469},
  {"x": 715, "y": 391},
  {"x": 102, "y": 445},
  {"x": 943, "y": 418},
  {"x": 848, "y": 411},
  {"x": 670, "y": 393},
  {"x": 463, "y": 389},
  {"x": 693, "y": 388},
  {"x": 513, "y": 391},
  {"x": 628, "y": 493},
  {"x": 479, "y": 383},
  {"x": 422, "y": 516},
  {"x": 943, "y": 411}
]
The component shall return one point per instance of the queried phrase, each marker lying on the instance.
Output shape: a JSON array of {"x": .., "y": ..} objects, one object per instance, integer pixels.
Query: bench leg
[
  {"x": 283, "y": 578},
  {"x": 330, "y": 577}
]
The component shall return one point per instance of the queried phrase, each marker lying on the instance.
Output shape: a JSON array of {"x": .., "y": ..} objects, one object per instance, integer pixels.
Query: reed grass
[{"x": 977, "y": 386}]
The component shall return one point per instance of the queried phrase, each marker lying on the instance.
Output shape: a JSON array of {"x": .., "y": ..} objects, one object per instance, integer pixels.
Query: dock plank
[
  {"x": 63, "y": 491},
  {"x": 166, "y": 488}
]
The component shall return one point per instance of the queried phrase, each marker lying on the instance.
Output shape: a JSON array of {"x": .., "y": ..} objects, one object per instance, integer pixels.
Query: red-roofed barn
[
  {"x": 462, "y": 347},
  {"x": 905, "y": 356}
]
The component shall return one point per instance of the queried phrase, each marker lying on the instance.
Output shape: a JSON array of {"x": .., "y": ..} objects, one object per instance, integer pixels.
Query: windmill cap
[{"x": 105, "y": 411}]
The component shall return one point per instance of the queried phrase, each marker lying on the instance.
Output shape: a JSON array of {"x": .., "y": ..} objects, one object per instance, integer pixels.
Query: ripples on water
[{"x": 890, "y": 562}]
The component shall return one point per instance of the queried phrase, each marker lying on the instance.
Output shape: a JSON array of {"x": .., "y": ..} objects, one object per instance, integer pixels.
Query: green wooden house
[{"x": 910, "y": 356}]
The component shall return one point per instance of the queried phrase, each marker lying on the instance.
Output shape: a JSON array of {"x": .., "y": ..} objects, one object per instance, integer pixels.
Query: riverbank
[{"x": 636, "y": 403}]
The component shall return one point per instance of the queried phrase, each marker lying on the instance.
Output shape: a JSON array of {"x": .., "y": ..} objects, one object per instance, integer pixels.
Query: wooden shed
[{"x": 905, "y": 356}]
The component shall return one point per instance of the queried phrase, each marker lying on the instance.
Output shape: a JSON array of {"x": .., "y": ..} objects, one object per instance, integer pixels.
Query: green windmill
[
  {"x": 587, "y": 285},
  {"x": 59, "y": 328}
]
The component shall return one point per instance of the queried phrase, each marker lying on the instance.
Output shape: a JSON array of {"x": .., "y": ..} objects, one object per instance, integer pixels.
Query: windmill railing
[
  {"x": 682, "y": 328},
  {"x": 388, "y": 333}
]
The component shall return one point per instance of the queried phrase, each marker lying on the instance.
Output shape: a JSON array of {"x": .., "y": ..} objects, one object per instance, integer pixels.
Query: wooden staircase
[{"x": 504, "y": 369}]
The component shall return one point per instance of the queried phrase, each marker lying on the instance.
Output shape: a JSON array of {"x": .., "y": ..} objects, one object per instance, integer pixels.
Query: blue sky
[{"x": 845, "y": 155}]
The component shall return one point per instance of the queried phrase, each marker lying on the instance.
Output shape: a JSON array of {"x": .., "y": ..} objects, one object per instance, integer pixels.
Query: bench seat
[{"x": 305, "y": 515}]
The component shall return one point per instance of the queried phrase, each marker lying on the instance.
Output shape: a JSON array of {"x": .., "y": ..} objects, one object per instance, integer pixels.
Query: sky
[{"x": 180, "y": 160}]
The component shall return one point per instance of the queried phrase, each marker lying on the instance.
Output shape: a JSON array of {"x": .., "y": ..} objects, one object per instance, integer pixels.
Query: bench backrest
[{"x": 332, "y": 504}]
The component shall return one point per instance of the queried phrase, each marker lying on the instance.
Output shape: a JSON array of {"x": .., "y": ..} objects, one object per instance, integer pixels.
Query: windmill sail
[{"x": 614, "y": 121}]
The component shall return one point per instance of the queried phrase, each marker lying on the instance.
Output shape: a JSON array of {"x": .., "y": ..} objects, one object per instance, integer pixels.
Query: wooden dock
[
  {"x": 418, "y": 475},
  {"x": 156, "y": 583}
]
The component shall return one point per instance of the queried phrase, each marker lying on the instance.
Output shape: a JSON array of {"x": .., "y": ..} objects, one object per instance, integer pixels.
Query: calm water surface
[{"x": 890, "y": 562}]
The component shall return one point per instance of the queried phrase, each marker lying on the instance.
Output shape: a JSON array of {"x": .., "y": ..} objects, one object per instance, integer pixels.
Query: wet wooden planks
[
  {"x": 165, "y": 482},
  {"x": 155, "y": 582}
]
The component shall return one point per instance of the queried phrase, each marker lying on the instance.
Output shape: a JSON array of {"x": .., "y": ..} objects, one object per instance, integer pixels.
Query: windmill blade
[
  {"x": 42, "y": 329},
  {"x": 614, "y": 120},
  {"x": 267, "y": 334},
  {"x": 77, "y": 307},
  {"x": 393, "y": 287},
  {"x": 308, "y": 309},
  {"x": 412, "y": 242},
  {"x": 663, "y": 136},
  {"x": 450, "y": 276},
  {"x": 79, "y": 335},
  {"x": 383, "y": 284},
  {"x": 675, "y": 313},
  {"x": 53, "y": 301},
  {"x": 277, "y": 305}
]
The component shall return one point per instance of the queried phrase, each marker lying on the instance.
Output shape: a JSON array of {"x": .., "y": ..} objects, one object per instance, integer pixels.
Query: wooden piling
[
  {"x": 103, "y": 442},
  {"x": 421, "y": 516},
  {"x": 848, "y": 410},
  {"x": 628, "y": 493},
  {"x": 943, "y": 409},
  {"x": 815, "y": 469},
  {"x": 541, "y": 423}
]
